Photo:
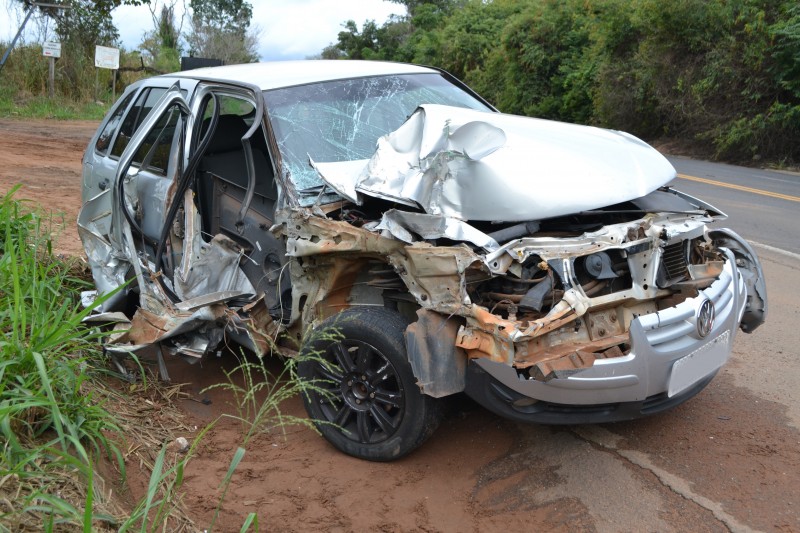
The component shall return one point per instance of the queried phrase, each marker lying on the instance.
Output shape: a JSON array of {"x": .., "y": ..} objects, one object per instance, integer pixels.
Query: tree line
[
  {"x": 723, "y": 75},
  {"x": 219, "y": 29}
]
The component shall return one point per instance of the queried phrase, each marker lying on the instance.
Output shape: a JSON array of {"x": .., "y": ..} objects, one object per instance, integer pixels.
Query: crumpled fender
[{"x": 755, "y": 311}]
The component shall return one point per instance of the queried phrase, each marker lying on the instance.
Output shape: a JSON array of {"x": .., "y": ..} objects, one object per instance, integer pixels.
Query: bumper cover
[{"x": 644, "y": 381}]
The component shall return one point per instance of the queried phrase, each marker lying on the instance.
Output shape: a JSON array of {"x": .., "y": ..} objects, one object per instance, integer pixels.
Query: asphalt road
[{"x": 763, "y": 205}]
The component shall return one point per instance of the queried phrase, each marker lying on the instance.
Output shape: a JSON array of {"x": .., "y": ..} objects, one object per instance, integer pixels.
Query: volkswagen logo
[{"x": 705, "y": 318}]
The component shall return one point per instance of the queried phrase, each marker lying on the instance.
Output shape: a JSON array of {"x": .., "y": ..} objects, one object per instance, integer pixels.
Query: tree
[
  {"x": 413, "y": 6},
  {"x": 80, "y": 28},
  {"x": 221, "y": 29},
  {"x": 161, "y": 45}
]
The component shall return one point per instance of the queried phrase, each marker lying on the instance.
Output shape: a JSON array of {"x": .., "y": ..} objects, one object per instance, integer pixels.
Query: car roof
[{"x": 277, "y": 74}]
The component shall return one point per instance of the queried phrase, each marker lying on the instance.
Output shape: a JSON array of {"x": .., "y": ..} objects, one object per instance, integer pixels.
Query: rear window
[{"x": 144, "y": 104}]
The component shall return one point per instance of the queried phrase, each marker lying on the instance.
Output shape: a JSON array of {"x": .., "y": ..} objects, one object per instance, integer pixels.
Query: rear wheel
[{"x": 366, "y": 401}]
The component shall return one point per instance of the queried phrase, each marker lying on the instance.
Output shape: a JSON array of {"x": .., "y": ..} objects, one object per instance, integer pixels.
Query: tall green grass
[
  {"x": 18, "y": 105},
  {"x": 51, "y": 424}
]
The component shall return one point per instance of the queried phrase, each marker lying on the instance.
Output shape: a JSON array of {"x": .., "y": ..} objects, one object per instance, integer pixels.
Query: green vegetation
[
  {"x": 719, "y": 74},
  {"x": 215, "y": 29},
  {"x": 23, "y": 86},
  {"x": 51, "y": 422},
  {"x": 61, "y": 414},
  {"x": 61, "y": 108}
]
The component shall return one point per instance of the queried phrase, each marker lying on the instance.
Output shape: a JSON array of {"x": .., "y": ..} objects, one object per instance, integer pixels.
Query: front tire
[{"x": 365, "y": 400}]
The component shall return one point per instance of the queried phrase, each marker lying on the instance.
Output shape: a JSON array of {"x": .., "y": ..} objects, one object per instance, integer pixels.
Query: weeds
[
  {"x": 51, "y": 425},
  {"x": 259, "y": 395},
  {"x": 38, "y": 106},
  {"x": 55, "y": 416}
]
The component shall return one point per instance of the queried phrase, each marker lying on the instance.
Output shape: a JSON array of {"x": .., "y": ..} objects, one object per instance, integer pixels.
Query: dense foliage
[{"x": 723, "y": 74}]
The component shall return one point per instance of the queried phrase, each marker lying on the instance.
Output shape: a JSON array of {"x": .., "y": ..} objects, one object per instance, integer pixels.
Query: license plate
[{"x": 688, "y": 370}]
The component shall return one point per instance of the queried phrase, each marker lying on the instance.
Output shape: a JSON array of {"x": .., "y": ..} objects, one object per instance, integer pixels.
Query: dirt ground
[{"x": 729, "y": 460}]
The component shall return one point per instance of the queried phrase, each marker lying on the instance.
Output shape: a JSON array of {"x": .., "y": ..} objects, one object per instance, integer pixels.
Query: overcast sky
[{"x": 290, "y": 29}]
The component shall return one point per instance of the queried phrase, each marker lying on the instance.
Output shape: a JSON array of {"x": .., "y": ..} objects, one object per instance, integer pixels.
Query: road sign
[
  {"x": 105, "y": 57},
  {"x": 51, "y": 49}
]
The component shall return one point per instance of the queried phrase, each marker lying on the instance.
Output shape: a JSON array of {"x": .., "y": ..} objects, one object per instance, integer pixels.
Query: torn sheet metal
[
  {"x": 109, "y": 264},
  {"x": 147, "y": 328},
  {"x": 523, "y": 170},
  {"x": 404, "y": 225},
  {"x": 209, "y": 266}
]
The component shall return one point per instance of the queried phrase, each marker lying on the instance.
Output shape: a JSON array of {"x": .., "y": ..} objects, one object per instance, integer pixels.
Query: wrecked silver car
[{"x": 388, "y": 219}]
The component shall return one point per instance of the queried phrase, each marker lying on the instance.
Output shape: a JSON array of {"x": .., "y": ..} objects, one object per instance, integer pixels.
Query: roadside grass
[
  {"x": 52, "y": 424},
  {"x": 21, "y": 105},
  {"x": 62, "y": 413}
]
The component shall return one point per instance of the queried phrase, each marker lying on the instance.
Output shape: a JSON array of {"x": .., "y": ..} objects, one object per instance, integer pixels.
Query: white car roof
[{"x": 277, "y": 74}]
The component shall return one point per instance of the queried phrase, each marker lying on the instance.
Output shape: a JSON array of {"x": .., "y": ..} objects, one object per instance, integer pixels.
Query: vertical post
[
  {"x": 96, "y": 70},
  {"x": 114, "y": 87},
  {"x": 51, "y": 76},
  {"x": 14, "y": 40}
]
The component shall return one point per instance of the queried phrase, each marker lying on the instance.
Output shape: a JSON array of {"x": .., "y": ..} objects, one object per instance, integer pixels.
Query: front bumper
[{"x": 644, "y": 381}]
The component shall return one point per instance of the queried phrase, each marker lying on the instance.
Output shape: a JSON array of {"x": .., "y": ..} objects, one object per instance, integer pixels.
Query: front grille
[
  {"x": 673, "y": 265},
  {"x": 675, "y": 322}
]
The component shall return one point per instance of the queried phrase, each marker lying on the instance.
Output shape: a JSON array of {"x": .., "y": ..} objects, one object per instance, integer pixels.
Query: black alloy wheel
[{"x": 366, "y": 401}]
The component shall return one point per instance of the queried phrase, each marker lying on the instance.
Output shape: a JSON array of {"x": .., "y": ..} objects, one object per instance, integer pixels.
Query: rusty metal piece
[
  {"x": 262, "y": 329},
  {"x": 146, "y": 328},
  {"x": 480, "y": 344},
  {"x": 614, "y": 351},
  {"x": 439, "y": 366},
  {"x": 536, "y": 350}
]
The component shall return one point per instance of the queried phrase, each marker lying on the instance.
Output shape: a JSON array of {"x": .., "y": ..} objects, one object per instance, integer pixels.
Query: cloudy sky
[{"x": 290, "y": 29}]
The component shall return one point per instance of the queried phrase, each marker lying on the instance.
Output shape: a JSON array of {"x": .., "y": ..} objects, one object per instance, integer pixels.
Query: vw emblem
[{"x": 705, "y": 318}]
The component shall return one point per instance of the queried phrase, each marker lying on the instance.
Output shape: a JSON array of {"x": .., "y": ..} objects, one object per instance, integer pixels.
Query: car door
[
  {"x": 157, "y": 216},
  {"x": 120, "y": 226}
]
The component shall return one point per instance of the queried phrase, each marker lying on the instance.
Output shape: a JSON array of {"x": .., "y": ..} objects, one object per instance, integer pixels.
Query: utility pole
[{"x": 31, "y": 8}]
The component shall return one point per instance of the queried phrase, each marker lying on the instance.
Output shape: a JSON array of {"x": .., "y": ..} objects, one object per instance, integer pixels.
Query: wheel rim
[{"x": 361, "y": 392}]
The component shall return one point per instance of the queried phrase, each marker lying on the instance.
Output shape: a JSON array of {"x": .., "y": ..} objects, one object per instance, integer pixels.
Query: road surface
[{"x": 763, "y": 205}]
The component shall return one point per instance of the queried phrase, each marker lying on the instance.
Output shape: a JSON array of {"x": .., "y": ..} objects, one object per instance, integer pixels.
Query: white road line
[{"x": 773, "y": 249}]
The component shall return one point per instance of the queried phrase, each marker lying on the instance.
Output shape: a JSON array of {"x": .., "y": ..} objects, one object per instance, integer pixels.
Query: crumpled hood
[{"x": 475, "y": 165}]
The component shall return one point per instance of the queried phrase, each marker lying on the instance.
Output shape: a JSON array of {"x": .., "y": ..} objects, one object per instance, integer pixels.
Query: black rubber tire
[{"x": 374, "y": 409}]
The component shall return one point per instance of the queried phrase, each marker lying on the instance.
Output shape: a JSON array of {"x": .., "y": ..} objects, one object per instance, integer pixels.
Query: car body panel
[{"x": 473, "y": 165}]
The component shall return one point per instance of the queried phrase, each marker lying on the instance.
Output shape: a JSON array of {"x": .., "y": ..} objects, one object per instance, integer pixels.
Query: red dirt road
[{"x": 728, "y": 460}]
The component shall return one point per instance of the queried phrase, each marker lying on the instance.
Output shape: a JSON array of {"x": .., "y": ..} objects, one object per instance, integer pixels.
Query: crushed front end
[
  {"x": 597, "y": 316},
  {"x": 612, "y": 324}
]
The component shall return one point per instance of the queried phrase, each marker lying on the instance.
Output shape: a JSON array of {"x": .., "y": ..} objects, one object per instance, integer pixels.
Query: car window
[
  {"x": 232, "y": 105},
  {"x": 104, "y": 140},
  {"x": 343, "y": 120},
  {"x": 144, "y": 104},
  {"x": 154, "y": 153},
  {"x": 232, "y": 109}
]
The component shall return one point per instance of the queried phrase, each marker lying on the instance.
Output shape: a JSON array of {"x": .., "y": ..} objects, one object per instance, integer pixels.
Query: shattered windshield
[{"x": 342, "y": 120}]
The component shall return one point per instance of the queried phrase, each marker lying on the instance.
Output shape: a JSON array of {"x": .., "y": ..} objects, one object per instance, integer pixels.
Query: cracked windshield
[{"x": 342, "y": 120}]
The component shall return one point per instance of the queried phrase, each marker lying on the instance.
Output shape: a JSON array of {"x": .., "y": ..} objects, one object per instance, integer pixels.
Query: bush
[{"x": 721, "y": 73}]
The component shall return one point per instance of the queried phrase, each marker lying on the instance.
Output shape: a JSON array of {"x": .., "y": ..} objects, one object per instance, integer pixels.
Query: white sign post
[
  {"x": 105, "y": 57},
  {"x": 51, "y": 51}
]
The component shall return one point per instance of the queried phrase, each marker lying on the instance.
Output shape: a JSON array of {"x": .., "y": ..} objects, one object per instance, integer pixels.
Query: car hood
[{"x": 474, "y": 165}]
